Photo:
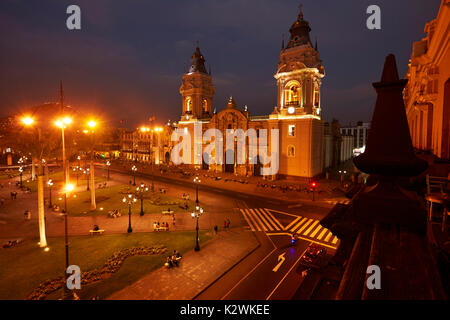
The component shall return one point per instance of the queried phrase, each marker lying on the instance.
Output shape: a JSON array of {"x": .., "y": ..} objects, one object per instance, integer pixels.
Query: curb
[{"x": 230, "y": 268}]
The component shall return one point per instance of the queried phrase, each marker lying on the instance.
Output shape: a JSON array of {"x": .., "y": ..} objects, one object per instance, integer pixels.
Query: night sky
[{"x": 127, "y": 60}]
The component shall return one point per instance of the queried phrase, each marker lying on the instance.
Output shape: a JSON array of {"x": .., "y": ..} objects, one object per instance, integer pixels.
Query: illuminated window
[
  {"x": 291, "y": 151},
  {"x": 188, "y": 104},
  {"x": 292, "y": 94},
  {"x": 205, "y": 105},
  {"x": 291, "y": 130}
]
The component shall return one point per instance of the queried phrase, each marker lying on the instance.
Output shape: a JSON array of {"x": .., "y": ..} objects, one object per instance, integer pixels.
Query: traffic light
[{"x": 313, "y": 185}]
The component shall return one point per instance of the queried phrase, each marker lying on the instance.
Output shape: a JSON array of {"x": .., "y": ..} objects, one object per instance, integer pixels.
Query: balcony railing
[{"x": 292, "y": 103}]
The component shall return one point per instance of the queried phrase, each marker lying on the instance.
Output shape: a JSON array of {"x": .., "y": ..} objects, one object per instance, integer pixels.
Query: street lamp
[
  {"x": 196, "y": 214},
  {"x": 134, "y": 169},
  {"x": 50, "y": 184},
  {"x": 130, "y": 199},
  {"x": 141, "y": 190},
  {"x": 108, "y": 164},
  {"x": 67, "y": 189},
  {"x": 196, "y": 181}
]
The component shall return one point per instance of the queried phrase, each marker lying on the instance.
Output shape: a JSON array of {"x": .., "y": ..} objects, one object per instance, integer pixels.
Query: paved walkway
[{"x": 196, "y": 271}]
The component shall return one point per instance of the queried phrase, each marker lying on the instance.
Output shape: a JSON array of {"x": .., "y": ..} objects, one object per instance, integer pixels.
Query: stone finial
[{"x": 389, "y": 150}]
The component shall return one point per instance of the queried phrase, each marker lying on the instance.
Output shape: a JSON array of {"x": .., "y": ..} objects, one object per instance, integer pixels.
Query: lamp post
[
  {"x": 86, "y": 173},
  {"x": 196, "y": 181},
  {"x": 196, "y": 214},
  {"x": 75, "y": 169},
  {"x": 61, "y": 123},
  {"x": 50, "y": 184},
  {"x": 130, "y": 199},
  {"x": 141, "y": 190},
  {"x": 68, "y": 188},
  {"x": 108, "y": 164},
  {"x": 21, "y": 173},
  {"x": 134, "y": 169}
]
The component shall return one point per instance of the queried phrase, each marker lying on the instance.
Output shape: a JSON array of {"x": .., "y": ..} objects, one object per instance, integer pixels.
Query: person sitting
[
  {"x": 96, "y": 228},
  {"x": 169, "y": 262}
]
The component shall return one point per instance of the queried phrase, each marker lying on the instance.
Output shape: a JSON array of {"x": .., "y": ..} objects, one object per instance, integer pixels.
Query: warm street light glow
[
  {"x": 69, "y": 187},
  {"x": 28, "y": 121},
  {"x": 60, "y": 123},
  {"x": 92, "y": 124},
  {"x": 145, "y": 129},
  {"x": 50, "y": 182}
]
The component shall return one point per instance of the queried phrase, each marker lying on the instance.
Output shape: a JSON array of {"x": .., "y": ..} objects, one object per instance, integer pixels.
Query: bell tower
[
  {"x": 197, "y": 89},
  {"x": 299, "y": 73}
]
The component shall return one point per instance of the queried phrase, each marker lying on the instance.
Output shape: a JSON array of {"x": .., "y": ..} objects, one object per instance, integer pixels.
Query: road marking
[
  {"x": 275, "y": 248},
  {"x": 305, "y": 225},
  {"x": 258, "y": 219},
  {"x": 261, "y": 211},
  {"x": 328, "y": 237},
  {"x": 310, "y": 228},
  {"x": 262, "y": 219},
  {"x": 255, "y": 226},
  {"x": 295, "y": 206},
  {"x": 273, "y": 218},
  {"x": 315, "y": 231},
  {"x": 289, "y": 214},
  {"x": 281, "y": 260},
  {"x": 299, "y": 224},
  {"x": 289, "y": 271},
  {"x": 247, "y": 219},
  {"x": 300, "y": 237},
  {"x": 335, "y": 240},
  {"x": 322, "y": 233},
  {"x": 293, "y": 222}
]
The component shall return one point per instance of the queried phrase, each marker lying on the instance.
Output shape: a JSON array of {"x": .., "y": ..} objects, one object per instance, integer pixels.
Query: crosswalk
[{"x": 262, "y": 219}]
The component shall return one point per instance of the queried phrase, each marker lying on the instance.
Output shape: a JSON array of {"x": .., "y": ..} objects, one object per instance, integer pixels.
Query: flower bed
[{"x": 111, "y": 266}]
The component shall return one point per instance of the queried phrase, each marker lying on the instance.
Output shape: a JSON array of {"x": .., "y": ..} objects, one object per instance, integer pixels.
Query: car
[{"x": 314, "y": 257}]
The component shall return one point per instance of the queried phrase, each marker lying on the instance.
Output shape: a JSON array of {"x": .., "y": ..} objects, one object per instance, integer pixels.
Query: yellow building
[
  {"x": 427, "y": 94},
  {"x": 297, "y": 115}
]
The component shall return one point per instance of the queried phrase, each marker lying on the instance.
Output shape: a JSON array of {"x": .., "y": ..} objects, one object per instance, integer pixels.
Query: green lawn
[
  {"x": 110, "y": 198},
  {"x": 24, "y": 267}
]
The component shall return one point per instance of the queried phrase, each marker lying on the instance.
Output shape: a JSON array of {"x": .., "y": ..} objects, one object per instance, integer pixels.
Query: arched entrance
[
  {"x": 229, "y": 165},
  {"x": 167, "y": 158},
  {"x": 256, "y": 167},
  {"x": 205, "y": 164}
]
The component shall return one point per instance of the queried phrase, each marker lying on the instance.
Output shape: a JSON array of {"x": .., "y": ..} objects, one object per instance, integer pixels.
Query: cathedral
[{"x": 296, "y": 116}]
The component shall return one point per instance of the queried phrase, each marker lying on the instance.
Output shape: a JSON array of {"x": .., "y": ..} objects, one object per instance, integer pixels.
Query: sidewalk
[{"x": 197, "y": 269}]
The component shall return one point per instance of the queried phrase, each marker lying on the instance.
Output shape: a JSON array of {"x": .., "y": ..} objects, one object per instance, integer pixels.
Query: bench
[
  {"x": 161, "y": 229},
  {"x": 168, "y": 212},
  {"x": 92, "y": 232}
]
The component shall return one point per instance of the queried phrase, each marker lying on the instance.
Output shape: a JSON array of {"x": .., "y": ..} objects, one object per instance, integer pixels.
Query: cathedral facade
[{"x": 298, "y": 144}]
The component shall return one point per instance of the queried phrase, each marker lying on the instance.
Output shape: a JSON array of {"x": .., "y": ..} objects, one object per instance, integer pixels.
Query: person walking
[{"x": 216, "y": 229}]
